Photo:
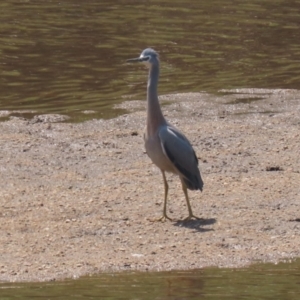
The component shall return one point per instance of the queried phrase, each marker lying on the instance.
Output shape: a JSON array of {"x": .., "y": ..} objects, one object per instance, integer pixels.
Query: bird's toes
[
  {"x": 161, "y": 219},
  {"x": 190, "y": 217}
]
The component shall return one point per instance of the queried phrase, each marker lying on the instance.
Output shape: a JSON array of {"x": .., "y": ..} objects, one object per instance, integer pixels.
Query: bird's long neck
[{"x": 155, "y": 117}]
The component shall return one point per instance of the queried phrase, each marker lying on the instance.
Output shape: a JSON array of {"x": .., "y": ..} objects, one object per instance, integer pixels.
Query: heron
[{"x": 166, "y": 146}]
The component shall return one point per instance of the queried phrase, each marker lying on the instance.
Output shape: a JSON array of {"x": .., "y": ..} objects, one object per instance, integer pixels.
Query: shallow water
[
  {"x": 263, "y": 281},
  {"x": 69, "y": 56}
]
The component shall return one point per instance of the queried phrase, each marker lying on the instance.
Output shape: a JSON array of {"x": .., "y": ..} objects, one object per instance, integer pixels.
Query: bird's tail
[{"x": 194, "y": 182}]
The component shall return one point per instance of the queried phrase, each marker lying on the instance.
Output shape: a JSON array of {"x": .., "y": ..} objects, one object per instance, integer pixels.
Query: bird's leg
[
  {"x": 165, "y": 216},
  {"x": 191, "y": 215}
]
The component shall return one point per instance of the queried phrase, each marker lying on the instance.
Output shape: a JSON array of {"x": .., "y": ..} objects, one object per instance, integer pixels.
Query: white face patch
[
  {"x": 146, "y": 58},
  {"x": 145, "y": 62}
]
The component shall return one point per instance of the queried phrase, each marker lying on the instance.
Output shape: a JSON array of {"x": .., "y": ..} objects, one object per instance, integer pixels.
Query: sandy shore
[{"x": 77, "y": 198}]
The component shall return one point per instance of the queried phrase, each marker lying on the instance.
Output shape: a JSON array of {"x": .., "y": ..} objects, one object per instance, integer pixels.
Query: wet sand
[{"x": 77, "y": 199}]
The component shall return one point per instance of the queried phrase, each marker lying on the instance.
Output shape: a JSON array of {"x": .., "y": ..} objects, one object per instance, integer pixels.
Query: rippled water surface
[
  {"x": 69, "y": 56},
  {"x": 257, "y": 282}
]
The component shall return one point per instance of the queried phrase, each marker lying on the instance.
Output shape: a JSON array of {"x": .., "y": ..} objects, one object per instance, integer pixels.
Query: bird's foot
[
  {"x": 190, "y": 217},
  {"x": 162, "y": 219}
]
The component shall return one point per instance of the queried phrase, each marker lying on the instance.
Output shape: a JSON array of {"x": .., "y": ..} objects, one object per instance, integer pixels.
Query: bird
[{"x": 166, "y": 146}]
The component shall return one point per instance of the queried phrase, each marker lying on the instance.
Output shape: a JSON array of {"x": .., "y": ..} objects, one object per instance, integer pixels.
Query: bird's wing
[{"x": 181, "y": 153}]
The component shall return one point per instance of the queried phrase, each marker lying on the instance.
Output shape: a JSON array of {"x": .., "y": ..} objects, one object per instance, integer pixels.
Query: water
[
  {"x": 265, "y": 281},
  {"x": 69, "y": 56}
]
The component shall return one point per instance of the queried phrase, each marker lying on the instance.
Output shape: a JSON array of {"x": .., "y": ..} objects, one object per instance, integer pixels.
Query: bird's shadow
[{"x": 196, "y": 224}]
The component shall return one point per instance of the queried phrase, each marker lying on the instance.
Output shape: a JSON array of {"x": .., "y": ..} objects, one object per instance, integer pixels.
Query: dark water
[
  {"x": 268, "y": 281},
  {"x": 69, "y": 56}
]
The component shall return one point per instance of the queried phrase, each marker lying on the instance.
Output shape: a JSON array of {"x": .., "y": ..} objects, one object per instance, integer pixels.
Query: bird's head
[{"x": 148, "y": 57}]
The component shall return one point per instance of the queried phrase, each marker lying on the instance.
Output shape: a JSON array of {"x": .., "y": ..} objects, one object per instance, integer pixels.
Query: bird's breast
[{"x": 156, "y": 154}]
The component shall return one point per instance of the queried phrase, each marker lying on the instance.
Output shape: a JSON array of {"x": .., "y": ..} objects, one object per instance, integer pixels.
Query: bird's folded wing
[{"x": 179, "y": 150}]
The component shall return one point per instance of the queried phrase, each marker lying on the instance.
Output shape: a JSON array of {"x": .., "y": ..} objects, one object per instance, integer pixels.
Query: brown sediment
[{"x": 77, "y": 198}]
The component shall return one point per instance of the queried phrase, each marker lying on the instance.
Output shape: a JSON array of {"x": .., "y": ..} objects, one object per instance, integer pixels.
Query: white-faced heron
[{"x": 167, "y": 147}]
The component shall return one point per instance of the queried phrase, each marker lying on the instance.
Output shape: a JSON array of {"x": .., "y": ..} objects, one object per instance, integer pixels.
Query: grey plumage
[{"x": 166, "y": 146}]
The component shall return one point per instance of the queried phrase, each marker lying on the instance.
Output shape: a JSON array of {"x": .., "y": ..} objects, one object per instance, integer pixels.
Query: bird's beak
[{"x": 138, "y": 59}]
